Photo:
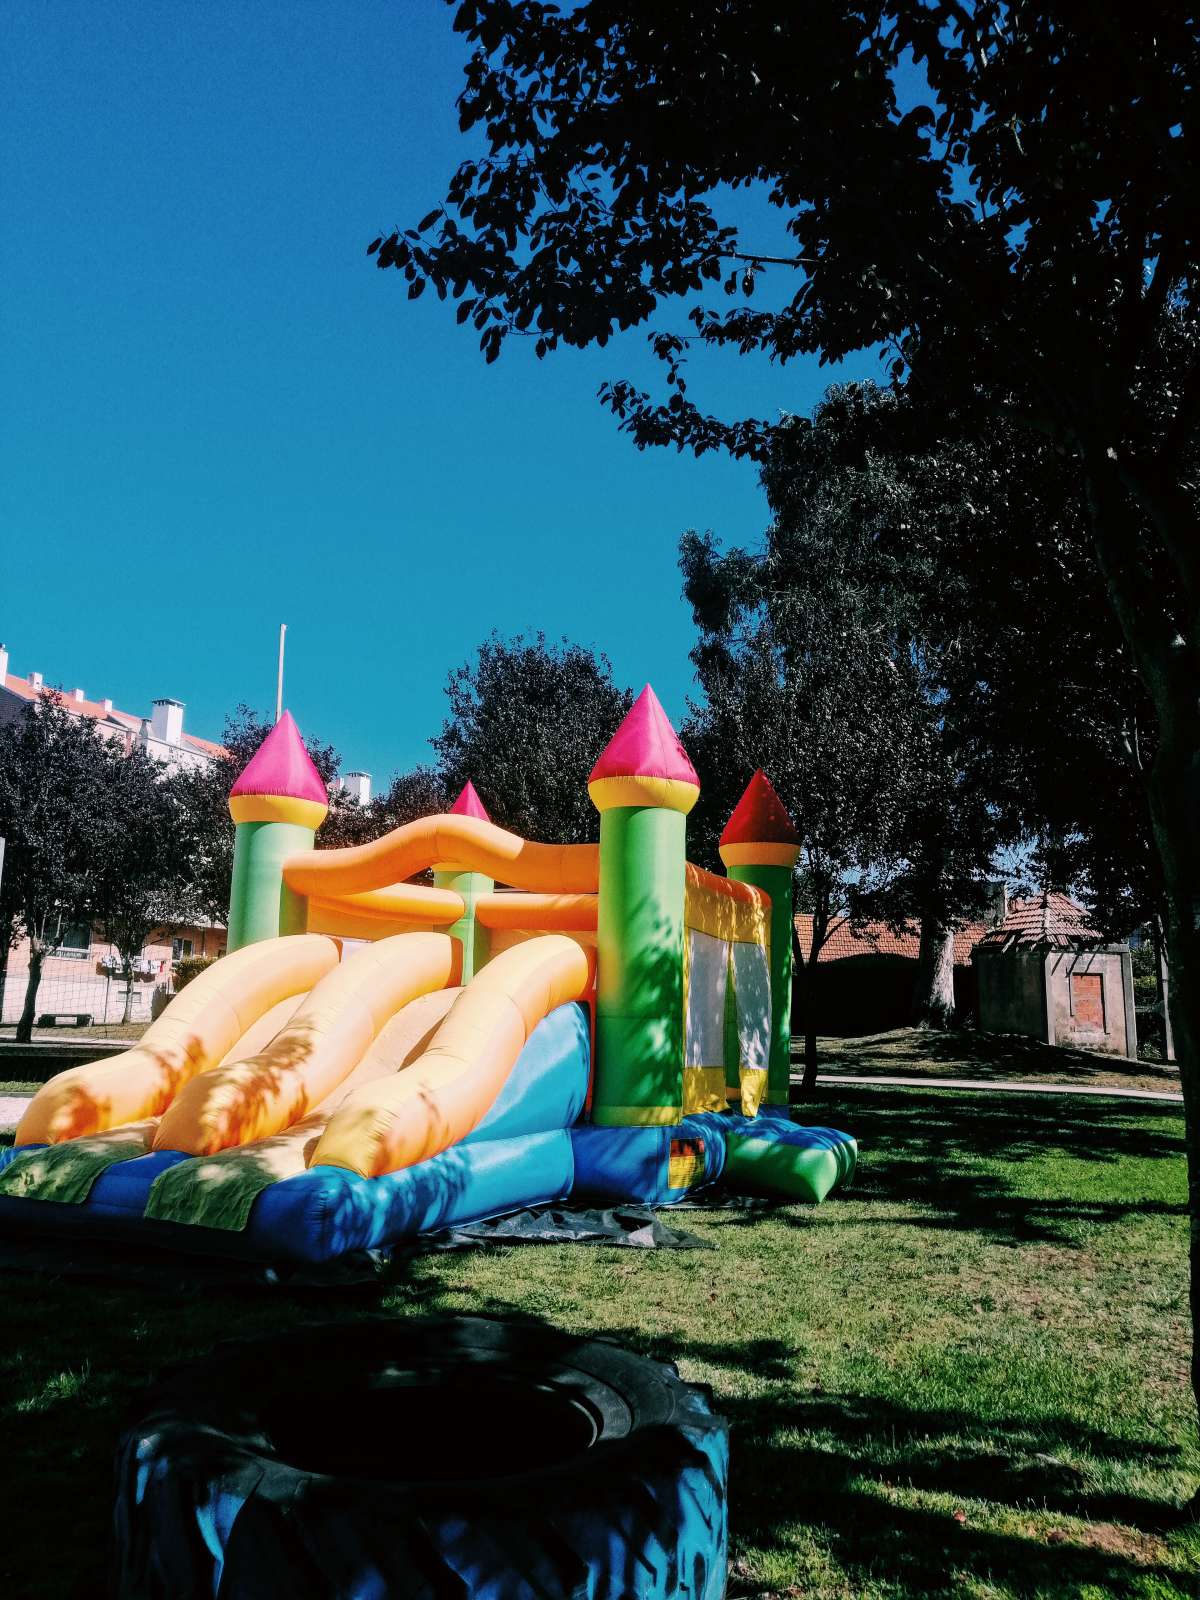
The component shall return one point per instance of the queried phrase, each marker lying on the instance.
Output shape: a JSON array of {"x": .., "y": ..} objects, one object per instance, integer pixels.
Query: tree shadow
[
  {"x": 935, "y": 1151},
  {"x": 836, "y": 1463},
  {"x": 901, "y": 1051}
]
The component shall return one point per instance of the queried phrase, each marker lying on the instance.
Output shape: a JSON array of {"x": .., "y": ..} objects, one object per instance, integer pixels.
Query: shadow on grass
[
  {"x": 838, "y": 1464},
  {"x": 835, "y": 1463},
  {"x": 969, "y": 1052},
  {"x": 961, "y": 1158}
]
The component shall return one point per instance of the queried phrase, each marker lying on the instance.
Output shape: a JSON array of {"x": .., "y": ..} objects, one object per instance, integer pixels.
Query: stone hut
[{"x": 1045, "y": 972}]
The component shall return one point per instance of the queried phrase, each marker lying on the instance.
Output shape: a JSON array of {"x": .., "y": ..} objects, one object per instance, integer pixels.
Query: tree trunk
[
  {"x": 127, "y": 974},
  {"x": 1174, "y": 795},
  {"x": 933, "y": 990},
  {"x": 808, "y": 1006},
  {"x": 1167, "y": 655},
  {"x": 25, "y": 1025},
  {"x": 1164, "y": 987},
  {"x": 809, "y": 1081}
]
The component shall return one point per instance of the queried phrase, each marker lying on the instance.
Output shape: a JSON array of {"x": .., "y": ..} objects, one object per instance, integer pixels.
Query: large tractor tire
[{"x": 447, "y": 1459}]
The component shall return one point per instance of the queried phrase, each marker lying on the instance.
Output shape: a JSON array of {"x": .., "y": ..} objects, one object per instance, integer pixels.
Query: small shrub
[{"x": 189, "y": 967}]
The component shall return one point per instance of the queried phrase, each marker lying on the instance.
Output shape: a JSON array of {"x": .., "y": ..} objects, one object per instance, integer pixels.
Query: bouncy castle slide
[{"x": 377, "y": 1058}]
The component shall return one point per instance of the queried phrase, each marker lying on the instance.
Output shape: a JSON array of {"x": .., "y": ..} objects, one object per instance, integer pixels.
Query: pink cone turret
[
  {"x": 644, "y": 763},
  {"x": 469, "y": 804},
  {"x": 278, "y": 803}
]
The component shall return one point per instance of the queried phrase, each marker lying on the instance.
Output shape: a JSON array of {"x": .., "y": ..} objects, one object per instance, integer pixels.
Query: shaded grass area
[
  {"x": 965, "y": 1377},
  {"x": 967, "y": 1053}
]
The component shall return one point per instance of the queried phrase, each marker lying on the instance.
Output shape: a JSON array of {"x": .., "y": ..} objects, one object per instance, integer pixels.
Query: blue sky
[{"x": 220, "y": 416}]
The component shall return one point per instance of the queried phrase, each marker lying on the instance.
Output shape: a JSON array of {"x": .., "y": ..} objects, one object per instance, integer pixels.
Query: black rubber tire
[{"x": 454, "y": 1458}]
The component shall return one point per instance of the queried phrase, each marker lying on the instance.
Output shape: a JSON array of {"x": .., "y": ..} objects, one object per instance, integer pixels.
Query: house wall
[
  {"x": 1091, "y": 1000},
  {"x": 1012, "y": 992},
  {"x": 89, "y": 981},
  {"x": 868, "y": 994}
]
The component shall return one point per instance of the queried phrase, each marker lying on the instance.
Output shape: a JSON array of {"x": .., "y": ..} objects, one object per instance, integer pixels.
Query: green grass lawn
[{"x": 965, "y": 1377}]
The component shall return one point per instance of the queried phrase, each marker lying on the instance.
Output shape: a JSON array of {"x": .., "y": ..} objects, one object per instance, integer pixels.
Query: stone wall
[
  {"x": 1091, "y": 1000},
  {"x": 1012, "y": 992}
]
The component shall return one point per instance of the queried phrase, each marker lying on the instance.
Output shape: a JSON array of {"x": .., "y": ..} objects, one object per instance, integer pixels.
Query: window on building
[
  {"x": 180, "y": 949},
  {"x": 1087, "y": 1001},
  {"x": 74, "y": 938}
]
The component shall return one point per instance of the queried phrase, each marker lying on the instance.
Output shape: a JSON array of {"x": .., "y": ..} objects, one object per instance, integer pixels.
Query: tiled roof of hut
[
  {"x": 846, "y": 942},
  {"x": 1049, "y": 919}
]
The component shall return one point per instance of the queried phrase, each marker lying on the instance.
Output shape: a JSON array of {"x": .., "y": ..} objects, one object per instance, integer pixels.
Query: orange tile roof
[
  {"x": 206, "y": 747},
  {"x": 877, "y": 939},
  {"x": 1050, "y": 918},
  {"x": 126, "y": 720}
]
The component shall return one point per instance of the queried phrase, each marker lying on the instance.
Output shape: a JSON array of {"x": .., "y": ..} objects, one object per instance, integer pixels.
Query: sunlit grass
[{"x": 965, "y": 1377}]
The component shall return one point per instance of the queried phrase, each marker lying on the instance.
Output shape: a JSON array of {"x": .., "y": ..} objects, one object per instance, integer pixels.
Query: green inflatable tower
[
  {"x": 643, "y": 787},
  {"x": 277, "y": 804},
  {"x": 470, "y": 885},
  {"x": 760, "y": 846}
]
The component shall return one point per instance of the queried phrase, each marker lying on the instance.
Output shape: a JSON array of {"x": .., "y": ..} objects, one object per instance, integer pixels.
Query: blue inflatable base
[
  {"x": 528, "y": 1151},
  {"x": 324, "y": 1212}
]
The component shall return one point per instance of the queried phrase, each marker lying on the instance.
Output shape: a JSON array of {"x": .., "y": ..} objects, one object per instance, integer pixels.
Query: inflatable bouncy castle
[{"x": 377, "y": 1057}]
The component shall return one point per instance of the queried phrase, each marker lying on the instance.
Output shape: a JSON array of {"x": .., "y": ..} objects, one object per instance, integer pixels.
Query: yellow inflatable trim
[
  {"x": 726, "y": 909},
  {"x": 277, "y": 808},
  {"x": 759, "y": 855},
  {"x": 256, "y": 1096},
  {"x": 671, "y": 794},
  {"x": 442, "y": 1096},
  {"x": 703, "y": 1090},
  {"x": 463, "y": 844},
  {"x": 199, "y": 1027}
]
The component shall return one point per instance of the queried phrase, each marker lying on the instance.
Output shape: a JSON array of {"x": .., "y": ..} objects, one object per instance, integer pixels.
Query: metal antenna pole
[{"x": 279, "y": 680}]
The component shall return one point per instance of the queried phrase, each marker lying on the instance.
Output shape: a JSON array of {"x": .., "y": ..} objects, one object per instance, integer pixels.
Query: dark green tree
[
  {"x": 420, "y": 792},
  {"x": 979, "y": 544},
  {"x": 799, "y": 679},
  {"x": 1013, "y": 219},
  {"x": 142, "y": 878},
  {"x": 528, "y": 718},
  {"x": 55, "y": 808}
]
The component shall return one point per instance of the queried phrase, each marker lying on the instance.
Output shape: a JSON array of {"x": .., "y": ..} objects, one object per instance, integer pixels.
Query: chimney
[
  {"x": 357, "y": 786},
  {"x": 35, "y": 680},
  {"x": 166, "y": 721},
  {"x": 106, "y": 707},
  {"x": 3, "y": 664},
  {"x": 998, "y": 902},
  {"x": 78, "y": 696}
]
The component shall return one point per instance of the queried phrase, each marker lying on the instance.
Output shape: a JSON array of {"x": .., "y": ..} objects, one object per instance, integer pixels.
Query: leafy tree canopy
[
  {"x": 981, "y": 540},
  {"x": 55, "y": 807},
  {"x": 142, "y": 877},
  {"x": 528, "y": 718},
  {"x": 979, "y": 190}
]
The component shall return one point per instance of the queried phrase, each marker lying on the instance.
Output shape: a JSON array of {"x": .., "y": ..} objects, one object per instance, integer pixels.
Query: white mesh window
[
  {"x": 708, "y": 962},
  {"x": 752, "y": 990}
]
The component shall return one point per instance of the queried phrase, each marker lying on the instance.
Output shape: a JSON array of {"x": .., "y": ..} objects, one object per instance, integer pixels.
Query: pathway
[
  {"x": 12, "y": 1106},
  {"x": 12, "y": 1109},
  {"x": 995, "y": 1085}
]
